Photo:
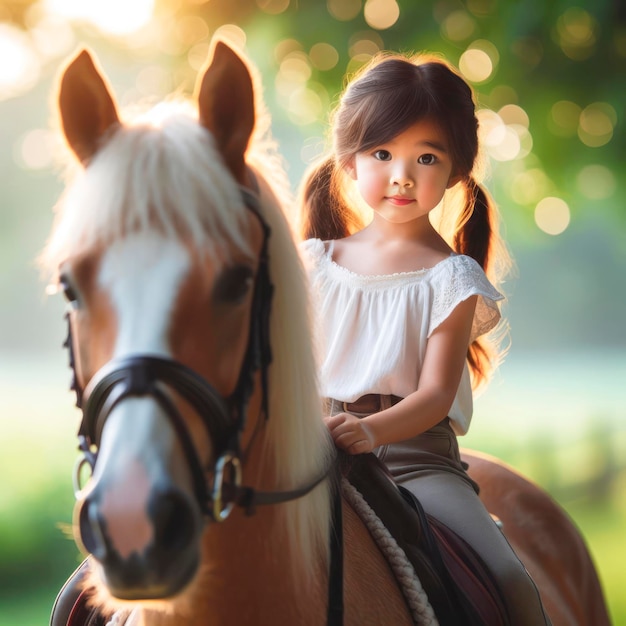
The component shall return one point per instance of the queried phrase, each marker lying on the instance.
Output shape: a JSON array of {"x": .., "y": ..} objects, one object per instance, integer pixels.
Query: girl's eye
[
  {"x": 427, "y": 159},
  {"x": 382, "y": 155}
]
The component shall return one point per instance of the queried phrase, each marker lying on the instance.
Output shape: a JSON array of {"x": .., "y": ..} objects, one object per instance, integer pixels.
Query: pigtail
[
  {"x": 477, "y": 235},
  {"x": 324, "y": 212},
  {"x": 474, "y": 229}
]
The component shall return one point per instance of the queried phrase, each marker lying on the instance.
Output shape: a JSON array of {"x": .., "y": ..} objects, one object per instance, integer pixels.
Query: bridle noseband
[{"x": 223, "y": 418}]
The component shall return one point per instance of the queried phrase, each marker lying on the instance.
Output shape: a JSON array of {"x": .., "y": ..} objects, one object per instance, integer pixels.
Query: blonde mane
[{"x": 161, "y": 170}]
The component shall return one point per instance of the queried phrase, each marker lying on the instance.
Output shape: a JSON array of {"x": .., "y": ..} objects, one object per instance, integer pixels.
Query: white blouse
[{"x": 375, "y": 328}]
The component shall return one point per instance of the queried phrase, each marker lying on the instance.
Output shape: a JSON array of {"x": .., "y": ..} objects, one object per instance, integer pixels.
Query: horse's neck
[
  {"x": 248, "y": 575},
  {"x": 246, "y": 578}
]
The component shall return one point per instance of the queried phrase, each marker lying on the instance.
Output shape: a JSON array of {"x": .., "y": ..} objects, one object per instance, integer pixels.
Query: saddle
[{"x": 460, "y": 588}]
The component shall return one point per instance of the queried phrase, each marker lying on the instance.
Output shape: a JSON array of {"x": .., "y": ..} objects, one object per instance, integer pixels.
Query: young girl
[{"x": 402, "y": 313}]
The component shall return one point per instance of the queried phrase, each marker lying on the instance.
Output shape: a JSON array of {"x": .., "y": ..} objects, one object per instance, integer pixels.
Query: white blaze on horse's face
[{"x": 142, "y": 275}]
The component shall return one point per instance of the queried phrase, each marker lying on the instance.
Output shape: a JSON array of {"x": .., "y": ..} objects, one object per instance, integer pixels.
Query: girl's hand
[{"x": 350, "y": 433}]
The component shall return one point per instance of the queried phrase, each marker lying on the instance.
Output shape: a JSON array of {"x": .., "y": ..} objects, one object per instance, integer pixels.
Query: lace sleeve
[{"x": 457, "y": 281}]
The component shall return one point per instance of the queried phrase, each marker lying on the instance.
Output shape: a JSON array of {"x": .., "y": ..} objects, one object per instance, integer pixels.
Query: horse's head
[{"x": 162, "y": 243}]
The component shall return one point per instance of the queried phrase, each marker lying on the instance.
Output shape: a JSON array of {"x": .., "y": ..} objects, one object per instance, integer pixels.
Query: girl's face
[{"x": 405, "y": 178}]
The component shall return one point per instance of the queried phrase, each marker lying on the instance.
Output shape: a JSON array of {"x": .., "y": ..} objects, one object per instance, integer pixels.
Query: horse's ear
[
  {"x": 86, "y": 106},
  {"x": 226, "y": 106}
]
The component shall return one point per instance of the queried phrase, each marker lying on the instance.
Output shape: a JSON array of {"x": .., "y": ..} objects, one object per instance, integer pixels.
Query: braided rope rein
[{"x": 416, "y": 598}]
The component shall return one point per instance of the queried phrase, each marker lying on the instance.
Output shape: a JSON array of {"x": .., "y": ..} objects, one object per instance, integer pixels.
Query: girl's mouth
[{"x": 399, "y": 200}]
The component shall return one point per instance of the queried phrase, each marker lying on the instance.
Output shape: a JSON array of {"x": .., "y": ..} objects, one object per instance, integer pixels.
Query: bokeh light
[
  {"x": 563, "y": 118},
  {"x": 552, "y": 215},
  {"x": 36, "y": 150},
  {"x": 344, "y": 10},
  {"x": 596, "y": 182},
  {"x": 576, "y": 33},
  {"x": 479, "y": 61},
  {"x": 596, "y": 123},
  {"x": 530, "y": 186},
  {"x": 364, "y": 45},
  {"x": 285, "y": 47},
  {"x": 381, "y": 14},
  {"x": 191, "y": 29},
  {"x": 50, "y": 35},
  {"x": 198, "y": 55},
  {"x": 20, "y": 68},
  {"x": 505, "y": 135},
  {"x": 323, "y": 56},
  {"x": 514, "y": 114},
  {"x": 273, "y": 7},
  {"x": 458, "y": 26}
]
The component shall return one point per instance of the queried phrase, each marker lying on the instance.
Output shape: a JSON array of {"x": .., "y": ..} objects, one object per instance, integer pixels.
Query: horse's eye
[
  {"x": 234, "y": 284},
  {"x": 68, "y": 289}
]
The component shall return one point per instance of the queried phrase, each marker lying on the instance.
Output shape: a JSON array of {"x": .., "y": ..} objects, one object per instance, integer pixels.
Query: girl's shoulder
[
  {"x": 456, "y": 279},
  {"x": 462, "y": 273},
  {"x": 313, "y": 248},
  {"x": 312, "y": 251}
]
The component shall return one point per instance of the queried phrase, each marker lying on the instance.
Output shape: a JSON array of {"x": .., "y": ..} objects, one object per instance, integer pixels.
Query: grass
[{"x": 605, "y": 534}]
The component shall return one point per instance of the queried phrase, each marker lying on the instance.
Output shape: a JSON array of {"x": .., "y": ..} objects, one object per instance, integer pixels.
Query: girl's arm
[{"x": 445, "y": 357}]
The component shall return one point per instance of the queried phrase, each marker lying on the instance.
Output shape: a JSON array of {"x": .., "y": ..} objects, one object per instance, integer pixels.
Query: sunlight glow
[
  {"x": 20, "y": 68},
  {"x": 115, "y": 17},
  {"x": 552, "y": 215}
]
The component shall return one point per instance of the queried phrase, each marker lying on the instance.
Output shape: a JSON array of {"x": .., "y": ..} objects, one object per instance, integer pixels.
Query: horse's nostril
[
  {"x": 92, "y": 534},
  {"x": 174, "y": 521}
]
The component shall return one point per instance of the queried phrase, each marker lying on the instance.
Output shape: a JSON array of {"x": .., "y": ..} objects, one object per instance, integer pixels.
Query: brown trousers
[{"x": 430, "y": 467}]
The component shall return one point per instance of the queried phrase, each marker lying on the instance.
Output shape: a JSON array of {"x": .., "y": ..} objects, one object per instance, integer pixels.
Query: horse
[{"x": 212, "y": 498}]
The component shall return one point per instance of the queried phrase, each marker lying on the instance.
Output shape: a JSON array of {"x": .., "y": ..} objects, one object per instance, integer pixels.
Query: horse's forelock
[{"x": 161, "y": 170}]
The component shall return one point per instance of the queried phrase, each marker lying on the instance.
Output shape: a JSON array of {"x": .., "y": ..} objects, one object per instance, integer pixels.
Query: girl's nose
[{"x": 402, "y": 178}]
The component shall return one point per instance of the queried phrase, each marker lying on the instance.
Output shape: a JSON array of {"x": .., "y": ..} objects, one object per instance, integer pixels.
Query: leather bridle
[{"x": 223, "y": 418}]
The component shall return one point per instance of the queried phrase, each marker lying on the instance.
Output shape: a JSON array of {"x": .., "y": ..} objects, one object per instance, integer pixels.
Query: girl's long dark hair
[{"x": 389, "y": 95}]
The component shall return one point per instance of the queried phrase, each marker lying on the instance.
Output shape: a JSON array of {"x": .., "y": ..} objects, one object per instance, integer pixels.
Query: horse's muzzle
[{"x": 159, "y": 565}]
